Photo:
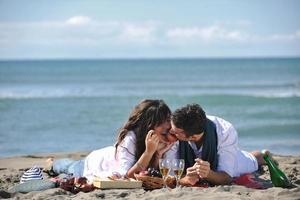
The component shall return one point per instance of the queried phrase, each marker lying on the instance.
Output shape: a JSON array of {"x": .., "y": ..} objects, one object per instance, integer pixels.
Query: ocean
[{"x": 79, "y": 105}]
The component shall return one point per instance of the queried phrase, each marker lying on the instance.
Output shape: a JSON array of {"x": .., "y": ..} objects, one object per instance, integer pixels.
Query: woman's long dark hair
[{"x": 144, "y": 117}]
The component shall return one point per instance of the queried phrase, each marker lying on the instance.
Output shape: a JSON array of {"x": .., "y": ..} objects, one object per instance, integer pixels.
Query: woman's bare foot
[
  {"x": 49, "y": 163},
  {"x": 49, "y": 167}
]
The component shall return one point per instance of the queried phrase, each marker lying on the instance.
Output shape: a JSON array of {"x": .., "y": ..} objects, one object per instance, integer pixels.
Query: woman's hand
[{"x": 151, "y": 141}]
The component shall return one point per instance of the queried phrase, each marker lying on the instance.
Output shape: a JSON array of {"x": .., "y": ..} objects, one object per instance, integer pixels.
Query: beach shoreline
[{"x": 12, "y": 168}]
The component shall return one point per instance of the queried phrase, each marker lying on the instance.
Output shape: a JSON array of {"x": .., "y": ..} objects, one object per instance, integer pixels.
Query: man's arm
[
  {"x": 218, "y": 178},
  {"x": 202, "y": 170},
  {"x": 151, "y": 141}
]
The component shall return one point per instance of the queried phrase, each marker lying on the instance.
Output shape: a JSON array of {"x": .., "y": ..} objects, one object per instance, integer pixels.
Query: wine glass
[
  {"x": 177, "y": 167},
  {"x": 164, "y": 167}
]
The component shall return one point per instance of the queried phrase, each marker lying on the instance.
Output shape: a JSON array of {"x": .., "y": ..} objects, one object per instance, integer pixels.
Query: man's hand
[
  {"x": 189, "y": 180},
  {"x": 202, "y": 168},
  {"x": 191, "y": 177}
]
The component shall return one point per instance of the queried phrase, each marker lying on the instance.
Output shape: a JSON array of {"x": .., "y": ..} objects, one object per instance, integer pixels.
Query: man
[{"x": 209, "y": 146}]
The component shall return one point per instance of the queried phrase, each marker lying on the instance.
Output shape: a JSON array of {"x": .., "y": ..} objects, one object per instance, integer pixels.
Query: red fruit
[{"x": 171, "y": 138}]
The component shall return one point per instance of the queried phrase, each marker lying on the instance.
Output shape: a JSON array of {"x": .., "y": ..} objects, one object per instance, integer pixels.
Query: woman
[{"x": 140, "y": 144}]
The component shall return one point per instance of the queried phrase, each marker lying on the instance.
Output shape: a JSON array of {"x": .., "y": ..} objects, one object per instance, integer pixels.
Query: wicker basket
[{"x": 150, "y": 182}]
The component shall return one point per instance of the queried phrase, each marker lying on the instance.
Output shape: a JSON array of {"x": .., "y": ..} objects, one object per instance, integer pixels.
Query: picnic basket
[{"x": 151, "y": 182}]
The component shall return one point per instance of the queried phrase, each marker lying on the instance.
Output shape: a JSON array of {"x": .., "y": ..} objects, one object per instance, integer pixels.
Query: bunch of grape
[{"x": 154, "y": 173}]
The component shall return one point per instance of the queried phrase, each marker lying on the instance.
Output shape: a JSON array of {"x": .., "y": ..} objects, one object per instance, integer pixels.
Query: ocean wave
[
  {"x": 278, "y": 95},
  {"x": 244, "y": 85},
  {"x": 143, "y": 92}
]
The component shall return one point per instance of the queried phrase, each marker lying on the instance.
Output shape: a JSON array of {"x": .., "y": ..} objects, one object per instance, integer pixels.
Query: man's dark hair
[{"x": 191, "y": 118}]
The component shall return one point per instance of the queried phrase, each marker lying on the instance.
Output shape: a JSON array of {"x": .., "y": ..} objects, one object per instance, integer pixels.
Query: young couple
[{"x": 208, "y": 145}]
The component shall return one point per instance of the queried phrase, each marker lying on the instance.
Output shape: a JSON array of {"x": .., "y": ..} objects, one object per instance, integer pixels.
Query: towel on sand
[
  {"x": 248, "y": 180},
  {"x": 33, "y": 185}
]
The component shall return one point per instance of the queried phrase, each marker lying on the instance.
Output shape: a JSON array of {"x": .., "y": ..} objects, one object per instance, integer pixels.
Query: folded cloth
[
  {"x": 248, "y": 180},
  {"x": 33, "y": 185},
  {"x": 34, "y": 173}
]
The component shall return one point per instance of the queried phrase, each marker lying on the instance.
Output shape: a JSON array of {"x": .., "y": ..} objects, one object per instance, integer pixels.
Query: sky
[{"x": 51, "y": 29}]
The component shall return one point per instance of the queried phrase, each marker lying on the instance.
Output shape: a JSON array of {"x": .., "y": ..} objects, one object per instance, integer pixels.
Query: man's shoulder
[
  {"x": 216, "y": 119},
  {"x": 219, "y": 122}
]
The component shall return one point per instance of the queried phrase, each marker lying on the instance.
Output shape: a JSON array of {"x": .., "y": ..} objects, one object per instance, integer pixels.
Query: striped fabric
[{"x": 35, "y": 173}]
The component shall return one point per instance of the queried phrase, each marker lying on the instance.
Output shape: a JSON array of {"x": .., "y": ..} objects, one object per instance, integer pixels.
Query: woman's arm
[
  {"x": 152, "y": 141},
  {"x": 162, "y": 148}
]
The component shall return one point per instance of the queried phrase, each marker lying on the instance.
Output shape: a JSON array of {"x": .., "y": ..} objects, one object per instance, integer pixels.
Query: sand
[{"x": 11, "y": 169}]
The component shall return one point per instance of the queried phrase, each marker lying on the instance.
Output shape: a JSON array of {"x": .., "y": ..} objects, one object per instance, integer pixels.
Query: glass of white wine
[
  {"x": 164, "y": 167},
  {"x": 177, "y": 167}
]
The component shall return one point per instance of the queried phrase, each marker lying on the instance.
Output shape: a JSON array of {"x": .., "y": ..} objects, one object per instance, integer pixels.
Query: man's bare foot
[{"x": 267, "y": 152}]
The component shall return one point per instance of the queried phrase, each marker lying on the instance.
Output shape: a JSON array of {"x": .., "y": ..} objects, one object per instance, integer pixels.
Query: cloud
[
  {"x": 78, "y": 20},
  {"x": 138, "y": 33},
  {"x": 84, "y": 32},
  {"x": 219, "y": 34},
  {"x": 71, "y": 32},
  {"x": 284, "y": 37},
  {"x": 205, "y": 34}
]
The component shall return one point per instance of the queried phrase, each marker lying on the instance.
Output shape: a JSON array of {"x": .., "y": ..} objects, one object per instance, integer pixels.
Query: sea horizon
[{"x": 151, "y": 58}]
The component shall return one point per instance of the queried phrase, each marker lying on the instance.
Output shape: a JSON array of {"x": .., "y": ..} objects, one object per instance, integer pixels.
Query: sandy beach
[{"x": 12, "y": 168}]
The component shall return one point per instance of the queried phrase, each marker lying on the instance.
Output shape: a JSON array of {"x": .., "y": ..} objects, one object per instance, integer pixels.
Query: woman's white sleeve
[{"x": 126, "y": 154}]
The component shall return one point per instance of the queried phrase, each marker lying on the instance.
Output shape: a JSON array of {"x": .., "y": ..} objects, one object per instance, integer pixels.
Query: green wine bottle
[{"x": 278, "y": 178}]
